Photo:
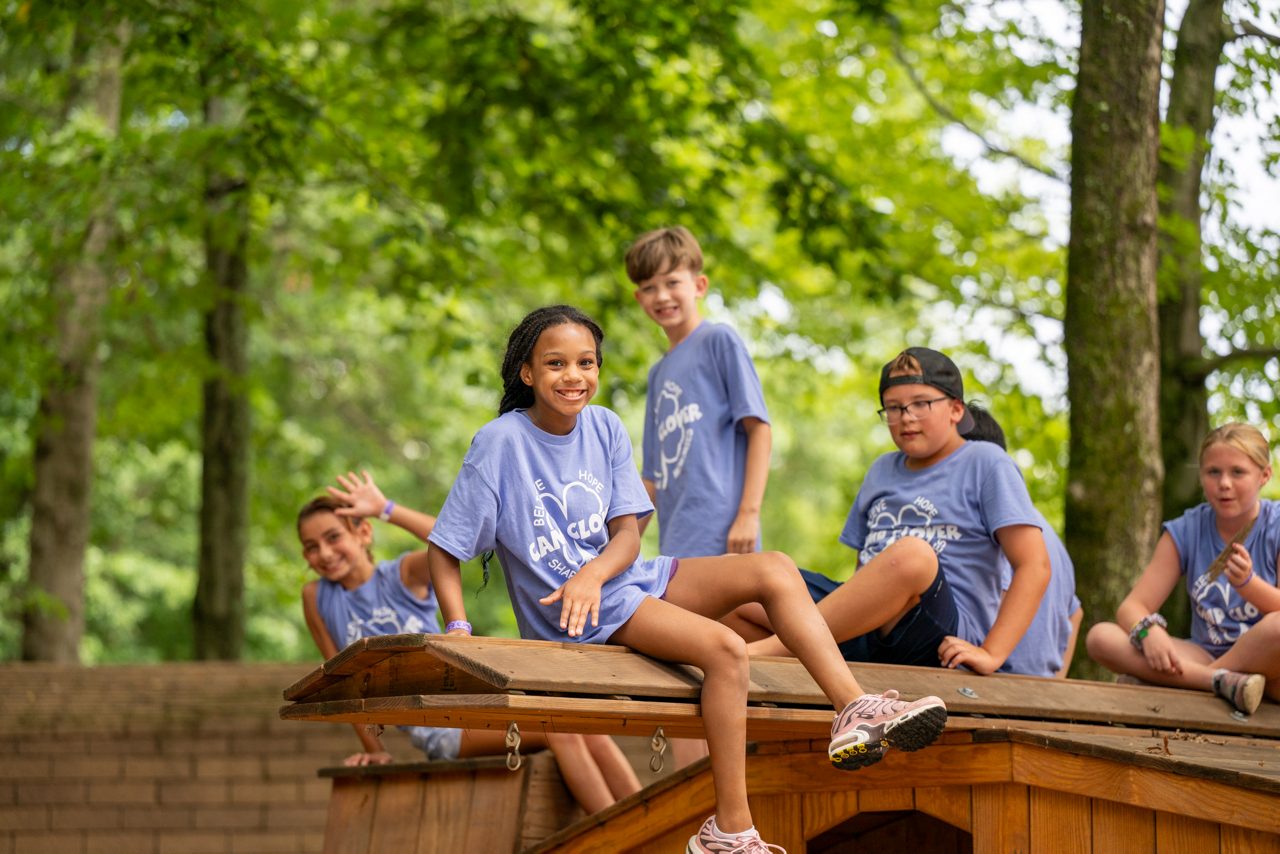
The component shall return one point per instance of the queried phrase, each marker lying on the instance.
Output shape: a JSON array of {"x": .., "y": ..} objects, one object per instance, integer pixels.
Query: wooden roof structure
[{"x": 1025, "y": 763}]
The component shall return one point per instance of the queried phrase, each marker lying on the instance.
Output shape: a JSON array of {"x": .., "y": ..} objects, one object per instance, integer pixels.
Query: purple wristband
[
  {"x": 457, "y": 624},
  {"x": 385, "y": 515},
  {"x": 1247, "y": 579}
]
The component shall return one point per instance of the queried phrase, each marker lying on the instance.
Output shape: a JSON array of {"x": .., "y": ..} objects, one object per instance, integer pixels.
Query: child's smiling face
[
  {"x": 564, "y": 372},
  {"x": 335, "y": 548},
  {"x": 670, "y": 298}
]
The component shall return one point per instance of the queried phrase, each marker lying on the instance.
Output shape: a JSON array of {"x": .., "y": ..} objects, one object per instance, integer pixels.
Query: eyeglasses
[{"x": 917, "y": 409}]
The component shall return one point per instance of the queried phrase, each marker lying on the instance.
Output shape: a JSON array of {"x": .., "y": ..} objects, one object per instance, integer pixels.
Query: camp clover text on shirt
[
  {"x": 916, "y": 519},
  {"x": 675, "y": 431},
  {"x": 567, "y": 524},
  {"x": 383, "y": 621},
  {"x": 1209, "y": 597}
]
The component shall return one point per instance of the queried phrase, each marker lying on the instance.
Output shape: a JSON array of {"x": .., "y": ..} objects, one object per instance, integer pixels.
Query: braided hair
[{"x": 515, "y": 394}]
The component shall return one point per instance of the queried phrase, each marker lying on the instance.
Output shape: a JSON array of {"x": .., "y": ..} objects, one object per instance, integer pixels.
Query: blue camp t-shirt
[
  {"x": 956, "y": 505},
  {"x": 543, "y": 503},
  {"x": 1219, "y": 614},
  {"x": 694, "y": 450},
  {"x": 1042, "y": 648},
  {"x": 380, "y": 606}
]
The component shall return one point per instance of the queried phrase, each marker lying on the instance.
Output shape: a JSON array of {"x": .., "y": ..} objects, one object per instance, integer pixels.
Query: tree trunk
[
  {"x": 218, "y": 610},
  {"x": 1113, "y": 363},
  {"x": 53, "y": 618},
  {"x": 1184, "y": 401}
]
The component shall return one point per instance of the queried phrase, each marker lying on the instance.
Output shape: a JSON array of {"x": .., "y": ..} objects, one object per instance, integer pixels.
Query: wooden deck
[{"x": 1021, "y": 756}]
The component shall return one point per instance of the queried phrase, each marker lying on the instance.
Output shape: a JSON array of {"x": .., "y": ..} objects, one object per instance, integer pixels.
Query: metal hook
[
  {"x": 659, "y": 746},
  {"x": 968, "y": 692},
  {"x": 513, "y": 746}
]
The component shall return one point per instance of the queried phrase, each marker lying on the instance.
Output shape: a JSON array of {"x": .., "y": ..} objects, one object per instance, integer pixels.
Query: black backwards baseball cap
[{"x": 935, "y": 370}]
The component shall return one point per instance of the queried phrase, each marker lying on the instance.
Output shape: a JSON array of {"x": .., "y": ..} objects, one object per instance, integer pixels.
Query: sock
[
  {"x": 720, "y": 834},
  {"x": 1217, "y": 680}
]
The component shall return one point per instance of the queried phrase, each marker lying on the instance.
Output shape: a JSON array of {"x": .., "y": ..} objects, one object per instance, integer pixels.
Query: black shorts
[{"x": 916, "y": 637}]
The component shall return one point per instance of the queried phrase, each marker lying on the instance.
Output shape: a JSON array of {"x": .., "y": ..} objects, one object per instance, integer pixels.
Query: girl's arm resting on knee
[
  {"x": 374, "y": 753},
  {"x": 1153, "y": 587},
  {"x": 580, "y": 595},
  {"x": 365, "y": 501},
  {"x": 1024, "y": 546},
  {"x": 446, "y": 578}
]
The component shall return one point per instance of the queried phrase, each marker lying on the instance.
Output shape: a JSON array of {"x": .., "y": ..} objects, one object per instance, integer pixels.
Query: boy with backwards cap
[{"x": 929, "y": 524}]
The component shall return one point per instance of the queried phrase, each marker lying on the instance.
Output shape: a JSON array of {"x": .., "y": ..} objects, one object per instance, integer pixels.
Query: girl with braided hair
[
  {"x": 356, "y": 596},
  {"x": 550, "y": 486}
]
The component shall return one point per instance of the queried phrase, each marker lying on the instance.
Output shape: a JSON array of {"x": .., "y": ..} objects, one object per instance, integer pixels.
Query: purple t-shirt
[
  {"x": 695, "y": 452},
  {"x": 1041, "y": 650},
  {"x": 543, "y": 503},
  {"x": 1219, "y": 614},
  {"x": 956, "y": 505},
  {"x": 380, "y": 606}
]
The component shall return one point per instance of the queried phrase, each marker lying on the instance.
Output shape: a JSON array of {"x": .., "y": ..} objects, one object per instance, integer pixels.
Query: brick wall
[{"x": 161, "y": 759}]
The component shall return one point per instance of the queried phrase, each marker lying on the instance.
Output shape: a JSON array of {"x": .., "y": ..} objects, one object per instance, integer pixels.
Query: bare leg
[
  {"x": 590, "y": 780},
  {"x": 609, "y": 758},
  {"x": 876, "y": 597},
  {"x": 1108, "y": 644},
  {"x": 686, "y": 751},
  {"x": 1077, "y": 617},
  {"x": 666, "y": 631},
  {"x": 582, "y": 776},
  {"x": 714, "y": 586}
]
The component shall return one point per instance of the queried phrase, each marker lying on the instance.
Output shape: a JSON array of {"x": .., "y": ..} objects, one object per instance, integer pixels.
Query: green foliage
[{"x": 423, "y": 173}]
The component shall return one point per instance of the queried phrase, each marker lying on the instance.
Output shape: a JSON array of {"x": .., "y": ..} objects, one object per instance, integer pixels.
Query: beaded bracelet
[
  {"x": 457, "y": 624},
  {"x": 1142, "y": 628}
]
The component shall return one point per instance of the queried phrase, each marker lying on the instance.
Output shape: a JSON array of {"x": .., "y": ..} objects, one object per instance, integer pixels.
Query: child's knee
[
  {"x": 777, "y": 571},
  {"x": 1099, "y": 638},
  {"x": 914, "y": 558}
]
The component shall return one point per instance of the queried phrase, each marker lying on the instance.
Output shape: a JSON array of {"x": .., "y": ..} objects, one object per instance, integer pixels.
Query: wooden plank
[
  {"x": 1247, "y": 762},
  {"x": 547, "y": 806},
  {"x": 1122, "y": 829},
  {"x": 824, "y": 810},
  {"x": 944, "y": 765},
  {"x": 349, "y": 822},
  {"x": 1060, "y": 822},
  {"x": 661, "y": 818},
  {"x": 952, "y": 804},
  {"x": 882, "y": 799},
  {"x": 1181, "y": 834},
  {"x": 1145, "y": 787},
  {"x": 1237, "y": 840},
  {"x": 397, "y": 814},
  {"x": 1001, "y": 820},
  {"x": 602, "y": 670},
  {"x": 780, "y": 820},
  {"x": 471, "y": 811},
  {"x": 556, "y": 714},
  {"x": 352, "y": 660}
]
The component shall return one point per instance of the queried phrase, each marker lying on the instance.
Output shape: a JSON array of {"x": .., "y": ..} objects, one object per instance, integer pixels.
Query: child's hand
[
  {"x": 744, "y": 533},
  {"x": 358, "y": 759},
  {"x": 579, "y": 597},
  {"x": 955, "y": 651},
  {"x": 1239, "y": 565},
  {"x": 362, "y": 496},
  {"x": 1159, "y": 651}
]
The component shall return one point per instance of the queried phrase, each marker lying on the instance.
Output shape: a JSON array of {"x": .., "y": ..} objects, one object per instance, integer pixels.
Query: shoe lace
[{"x": 871, "y": 705}]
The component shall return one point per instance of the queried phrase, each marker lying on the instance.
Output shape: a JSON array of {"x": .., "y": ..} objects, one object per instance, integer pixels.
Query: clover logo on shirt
[{"x": 569, "y": 521}]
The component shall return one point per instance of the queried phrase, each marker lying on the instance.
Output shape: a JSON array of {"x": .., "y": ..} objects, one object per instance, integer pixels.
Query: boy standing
[
  {"x": 706, "y": 434},
  {"x": 929, "y": 524}
]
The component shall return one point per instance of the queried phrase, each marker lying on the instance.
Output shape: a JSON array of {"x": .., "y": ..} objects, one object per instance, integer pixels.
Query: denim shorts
[{"x": 916, "y": 637}]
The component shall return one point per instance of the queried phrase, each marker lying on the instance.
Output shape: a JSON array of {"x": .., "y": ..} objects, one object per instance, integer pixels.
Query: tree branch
[
  {"x": 1244, "y": 29},
  {"x": 944, "y": 111},
  {"x": 1217, "y": 363}
]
